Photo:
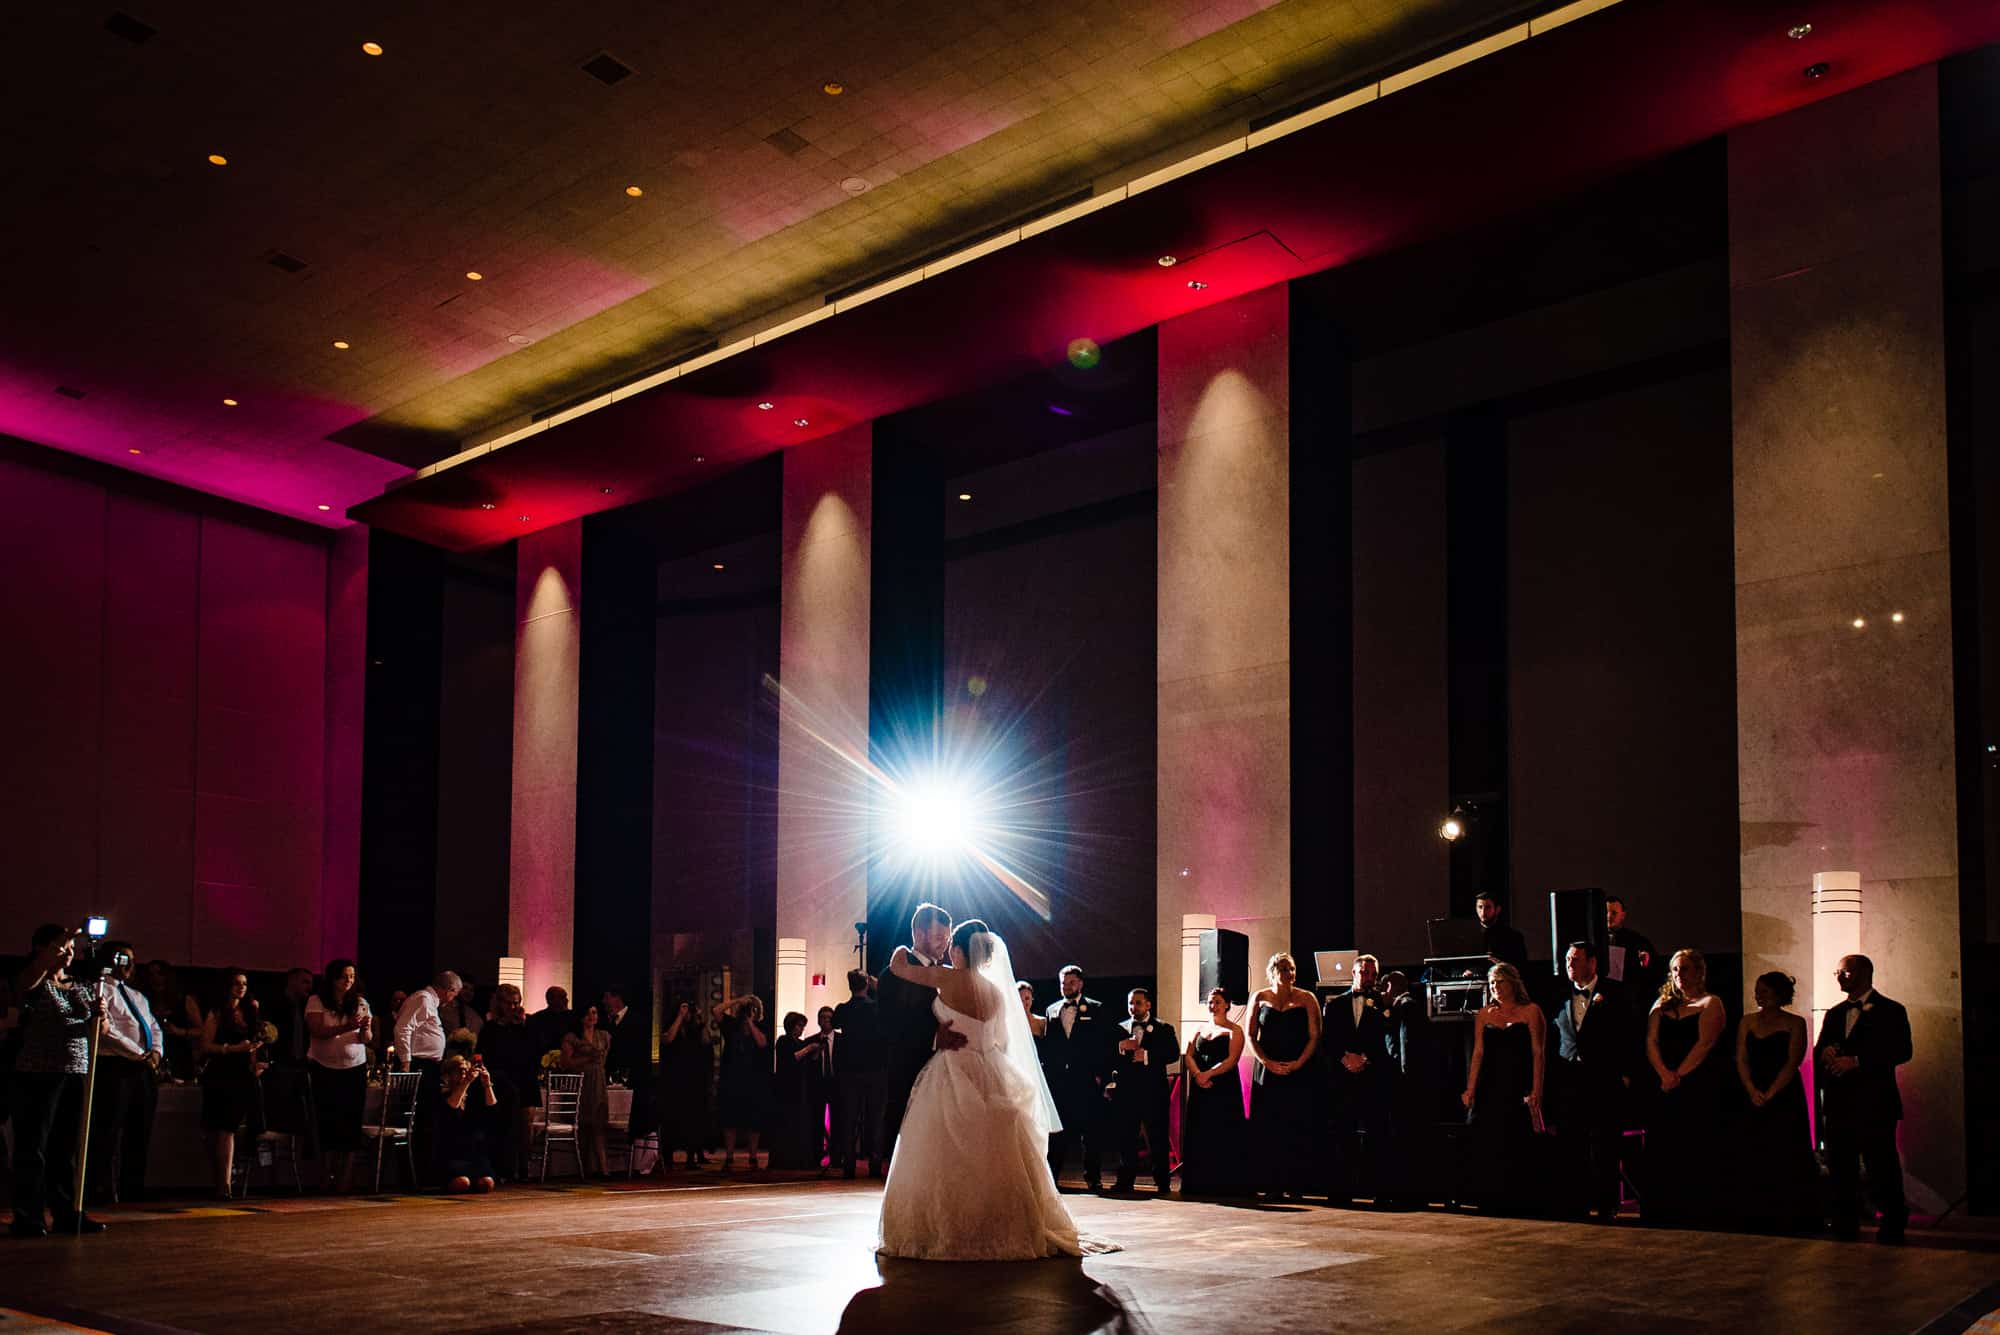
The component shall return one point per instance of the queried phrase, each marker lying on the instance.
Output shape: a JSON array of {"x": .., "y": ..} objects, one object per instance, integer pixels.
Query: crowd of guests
[{"x": 1351, "y": 1095}]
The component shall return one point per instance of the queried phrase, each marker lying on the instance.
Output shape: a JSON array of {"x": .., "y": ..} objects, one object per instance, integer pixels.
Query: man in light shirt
[
  {"x": 128, "y": 1059},
  {"x": 420, "y": 1048}
]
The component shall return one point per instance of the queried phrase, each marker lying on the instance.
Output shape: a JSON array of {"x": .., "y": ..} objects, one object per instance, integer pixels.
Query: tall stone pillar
[
  {"x": 1843, "y": 609},
  {"x": 823, "y": 789},
  {"x": 548, "y": 639},
  {"x": 1224, "y": 666}
]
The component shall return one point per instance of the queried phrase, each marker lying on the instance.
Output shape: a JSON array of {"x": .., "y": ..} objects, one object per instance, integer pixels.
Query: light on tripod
[{"x": 1452, "y": 828}]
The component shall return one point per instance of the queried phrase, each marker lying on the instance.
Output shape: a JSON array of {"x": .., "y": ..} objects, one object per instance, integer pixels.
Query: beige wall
[
  {"x": 1224, "y": 668},
  {"x": 1845, "y": 735},
  {"x": 823, "y": 791},
  {"x": 548, "y": 638}
]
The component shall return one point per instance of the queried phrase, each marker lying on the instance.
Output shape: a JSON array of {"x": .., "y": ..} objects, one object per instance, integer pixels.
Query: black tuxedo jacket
[
  {"x": 1075, "y": 1062},
  {"x": 1601, "y": 1050},
  {"x": 629, "y": 1041},
  {"x": 1866, "y": 1098},
  {"x": 1372, "y": 1038},
  {"x": 1148, "y": 1079},
  {"x": 907, "y": 1026},
  {"x": 859, "y": 1049}
]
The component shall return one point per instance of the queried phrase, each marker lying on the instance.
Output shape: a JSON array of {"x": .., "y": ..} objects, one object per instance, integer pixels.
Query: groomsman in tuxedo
[
  {"x": 1862, "y": 1042},
  {"x": 911, "y": 1033},
  {"x": 1139, "y": 1079},
  {"x": 1502, "y": 942},
  {"x": 1361, "y": 1090},
  {"x": 1589, "y": 1072},
  {"x": 1076, "y": 1052}
]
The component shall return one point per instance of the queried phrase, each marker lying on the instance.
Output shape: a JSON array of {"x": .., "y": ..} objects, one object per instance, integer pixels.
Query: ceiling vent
[
  {"x": 69, "y": 392},
  {"x": 606, "y": 68},
  {"x": 133, "y": 31},
  {"x": 788, "y": 141},
  {"x": 278, "y": 259}
]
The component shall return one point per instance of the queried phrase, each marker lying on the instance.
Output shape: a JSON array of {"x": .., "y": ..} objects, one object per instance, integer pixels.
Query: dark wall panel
[
  {"x": 475, "y": 771},
  {"x": 1622, "y": 660}
]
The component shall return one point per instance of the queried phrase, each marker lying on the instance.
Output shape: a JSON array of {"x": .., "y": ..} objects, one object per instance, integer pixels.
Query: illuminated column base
[
  {"x": 1836, "y": 920},
  {"x": 791, "y": 976},
  {"x": 1194, "y": 1007}
]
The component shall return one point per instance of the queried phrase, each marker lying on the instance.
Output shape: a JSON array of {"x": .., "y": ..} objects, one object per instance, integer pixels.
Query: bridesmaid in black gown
[
  {"x": 1283, "y": 1034},
  {"x": 1503, "y": 1097},
  {"x": 1683, "y": 1135},
  {"x": 1215, "y": 1145},
  {"x": 1777, "y": 1177}
]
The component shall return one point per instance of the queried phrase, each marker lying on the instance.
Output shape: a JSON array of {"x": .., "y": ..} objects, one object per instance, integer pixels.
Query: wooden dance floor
[{"x": 702, "y": 1256}]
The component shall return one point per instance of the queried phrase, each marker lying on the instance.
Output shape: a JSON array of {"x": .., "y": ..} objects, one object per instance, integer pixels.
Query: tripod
[{"x": 89, "y": 1099}]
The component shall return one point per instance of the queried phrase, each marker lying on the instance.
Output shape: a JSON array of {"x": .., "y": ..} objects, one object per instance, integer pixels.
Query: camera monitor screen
[{"x": 96, "y": 927}]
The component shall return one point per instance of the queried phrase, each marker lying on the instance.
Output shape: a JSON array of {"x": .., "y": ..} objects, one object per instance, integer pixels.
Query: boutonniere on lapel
[
  {"x": 1867, "y": 1006},
  {"x": 1596, "y": 997},
  {"x": 1370, "y": 1004}
]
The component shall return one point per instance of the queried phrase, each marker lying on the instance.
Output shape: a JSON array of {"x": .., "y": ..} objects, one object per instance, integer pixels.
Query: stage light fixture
[
  {"x": 1451, "y": 829},
  {"x": 1798, "y": 32},
  {"x": 934, "y": 820},
  {"x": 1084, "y": 353}
]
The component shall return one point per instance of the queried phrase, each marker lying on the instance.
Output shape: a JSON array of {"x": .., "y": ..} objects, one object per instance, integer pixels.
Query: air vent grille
[
  {"x": 606, "y": 68},
  {"x": 788, "y": 141},
  {"x": 278, "y": 259}
]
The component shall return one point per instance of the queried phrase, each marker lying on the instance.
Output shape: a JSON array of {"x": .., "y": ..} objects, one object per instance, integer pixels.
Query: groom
[{"x": 910, "y": 1032}]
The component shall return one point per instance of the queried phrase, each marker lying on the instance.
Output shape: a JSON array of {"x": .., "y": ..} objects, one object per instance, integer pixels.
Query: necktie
[{"x": 145, "y": 1030}]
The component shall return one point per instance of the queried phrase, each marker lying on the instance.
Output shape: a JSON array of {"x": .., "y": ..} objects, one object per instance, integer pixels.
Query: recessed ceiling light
[
  {"x": 854, "y": 185},
  {"x": 800, "y": 421},
  {"x": 1819, "y": 69},
  {"x": 522, "y": 518},
  {"x": 1798, "y": 32},
  {"x": 218, "y": 160},
  {"x": 135, "y": 450},
  {"x": 1860, "y": 623},
  {"x": 833, "y": 88},
  {"x": 1169, "y": 261},
  {"x": 372, "y": 48},
  {"x": 474, "y": 275},
  {"x": 634, "y": 191},
  {"x": 229, "y": 403},
  {"x": 519, "y": 340},
  {"x": 1896, "y": 617},
  {"x": 701, "y": 458},
  {"x": 1197, "y": 284},
  {"x": 340, "y": 343},
  {"x": 486, "y": 505},
  {"x": 965, "y": 495},
  {"x": 604, "y": 491},
  {"x": 717, "y": 566},
  {"x": 766, "y": 405},
  {"x": 326, "y": 507}
]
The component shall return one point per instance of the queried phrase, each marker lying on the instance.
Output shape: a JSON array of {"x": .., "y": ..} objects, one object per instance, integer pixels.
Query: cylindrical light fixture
[
  {"x": 513, "y": 969},
  {"x": 1836, "y": 918},
  {"x": 1194, "y": 1007},
  {"x": 791, "y": 977}
]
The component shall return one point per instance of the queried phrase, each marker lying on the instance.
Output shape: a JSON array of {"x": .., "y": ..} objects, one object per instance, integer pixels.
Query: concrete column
[
  {"x": 1843, "y": 629},
  {"x": 823, "y": 789},
  {"x": 346, "y": 708},
  {"x": 1224, "y": 670},
  {"x": 548, "y": 638}
]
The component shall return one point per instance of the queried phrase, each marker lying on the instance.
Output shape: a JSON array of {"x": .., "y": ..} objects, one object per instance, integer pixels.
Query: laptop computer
[{"x": 1335, "y": 969}]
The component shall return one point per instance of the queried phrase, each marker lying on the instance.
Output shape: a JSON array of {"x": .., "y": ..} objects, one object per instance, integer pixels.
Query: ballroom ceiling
[{"x": 296, "y": 326}]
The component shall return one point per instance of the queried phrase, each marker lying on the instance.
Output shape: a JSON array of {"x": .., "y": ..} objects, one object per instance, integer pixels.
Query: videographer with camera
[
  {"x": 57, "y": 1015},
  {"x": 128, "y": 1066}
]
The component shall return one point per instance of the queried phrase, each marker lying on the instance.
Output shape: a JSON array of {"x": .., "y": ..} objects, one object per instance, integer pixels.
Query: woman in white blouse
[{"x": 341, "y": 1028}]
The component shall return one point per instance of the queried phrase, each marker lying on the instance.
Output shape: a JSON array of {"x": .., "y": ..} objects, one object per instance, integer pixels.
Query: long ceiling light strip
[{"x": 1208, "y": 157}]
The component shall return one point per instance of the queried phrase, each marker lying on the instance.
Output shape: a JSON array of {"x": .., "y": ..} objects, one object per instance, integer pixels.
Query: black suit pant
[
  {"x": 1364, "y": 1150},
  {"x": 1083, "y": 1116},
  {"x": 858, "y": 1098},
  {"x": 1589, "y": 1139},
  {"x": 45, "y": 1111},
  {"x": 1145, "y": 1106},
  {"x": 121, "y": 1130},
  {"x": 1850, "y": 1149}
]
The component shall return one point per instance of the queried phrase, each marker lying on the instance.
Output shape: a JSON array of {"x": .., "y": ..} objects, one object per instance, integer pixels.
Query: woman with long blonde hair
[
  {"x": 1683, "y": 1147},
  {"x": 1503, "y": 1094}
]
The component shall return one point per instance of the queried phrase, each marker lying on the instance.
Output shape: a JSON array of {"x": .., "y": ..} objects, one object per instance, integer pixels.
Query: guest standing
[
  {"x": 585, "y": 1051},
  {"x": 1038, "y": 1024},
  {"x": 1503, "y": 1095},
  {"x": 553, "y": 1021},
  {"x": 179, "y": 1015},
  {"x": 788, "y": 1089},
  {"x": 1283, "y": 1034},
  {"x": 1503, "y": 944},
  {"x": 687, "y": 1071},
  {"x": 1861, "y": 1043},
  {"x": 860, "y": 1085},
  {"x": 1587, "y": 1083},
  {"x": 46, "y": 1092},
  {"x": 744, "y": 1087},
  {"x": 630, "y": 1038},
  {"x": 1139, "y": 1077},
  {"x": 342, "y": 1027},
  {"x": 1684, "y": 1131},
  {"x": 420, "y": 1044},
  {"x": 231, "y": 1099},
  {"x": 1630, "y": 958},
  {"x": 514, "y": 1069},
  {"x": 293, "y": 1044},
  {"x": 128, "y": 1067},
  {"x": 1361, "y": 1094},
  {"x": 1215, "y": 1144},
  {"x": 1776, "y": 1176},
  {"x": 820, "y": 1089},
  {"x": 1075, "y": 1051}
]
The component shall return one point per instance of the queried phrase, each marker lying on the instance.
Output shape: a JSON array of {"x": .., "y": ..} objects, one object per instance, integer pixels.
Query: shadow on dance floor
[{"x": 1053, "y": 1296}]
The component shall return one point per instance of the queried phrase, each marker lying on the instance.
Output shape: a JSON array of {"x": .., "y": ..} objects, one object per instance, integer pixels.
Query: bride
[{"x": 970, "y": 1178}]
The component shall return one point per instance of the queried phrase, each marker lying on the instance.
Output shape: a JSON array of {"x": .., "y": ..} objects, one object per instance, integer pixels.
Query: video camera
[{"x": 90, "y": 958}]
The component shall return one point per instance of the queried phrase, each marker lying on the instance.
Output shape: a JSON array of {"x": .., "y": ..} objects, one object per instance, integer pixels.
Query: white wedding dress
[{"x": 970, "y": 1177}]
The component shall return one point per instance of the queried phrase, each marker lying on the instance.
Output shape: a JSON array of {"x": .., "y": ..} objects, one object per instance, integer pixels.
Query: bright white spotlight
[
  {"x": 1450, "y": 829},
  {"x": 936, "y": 820}
]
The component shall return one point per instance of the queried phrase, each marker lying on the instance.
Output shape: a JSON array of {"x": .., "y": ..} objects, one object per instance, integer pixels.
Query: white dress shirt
[
  {"x": 1854, "y": 1012},
  {"x": 342, "y": 1052},
  {"x": 419, "y": 1033},
  {"x": 124, "y": 1007}
]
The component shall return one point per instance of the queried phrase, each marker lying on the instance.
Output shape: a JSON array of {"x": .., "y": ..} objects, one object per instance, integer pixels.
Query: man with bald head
[{"x": 1862, "y": 1042}]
